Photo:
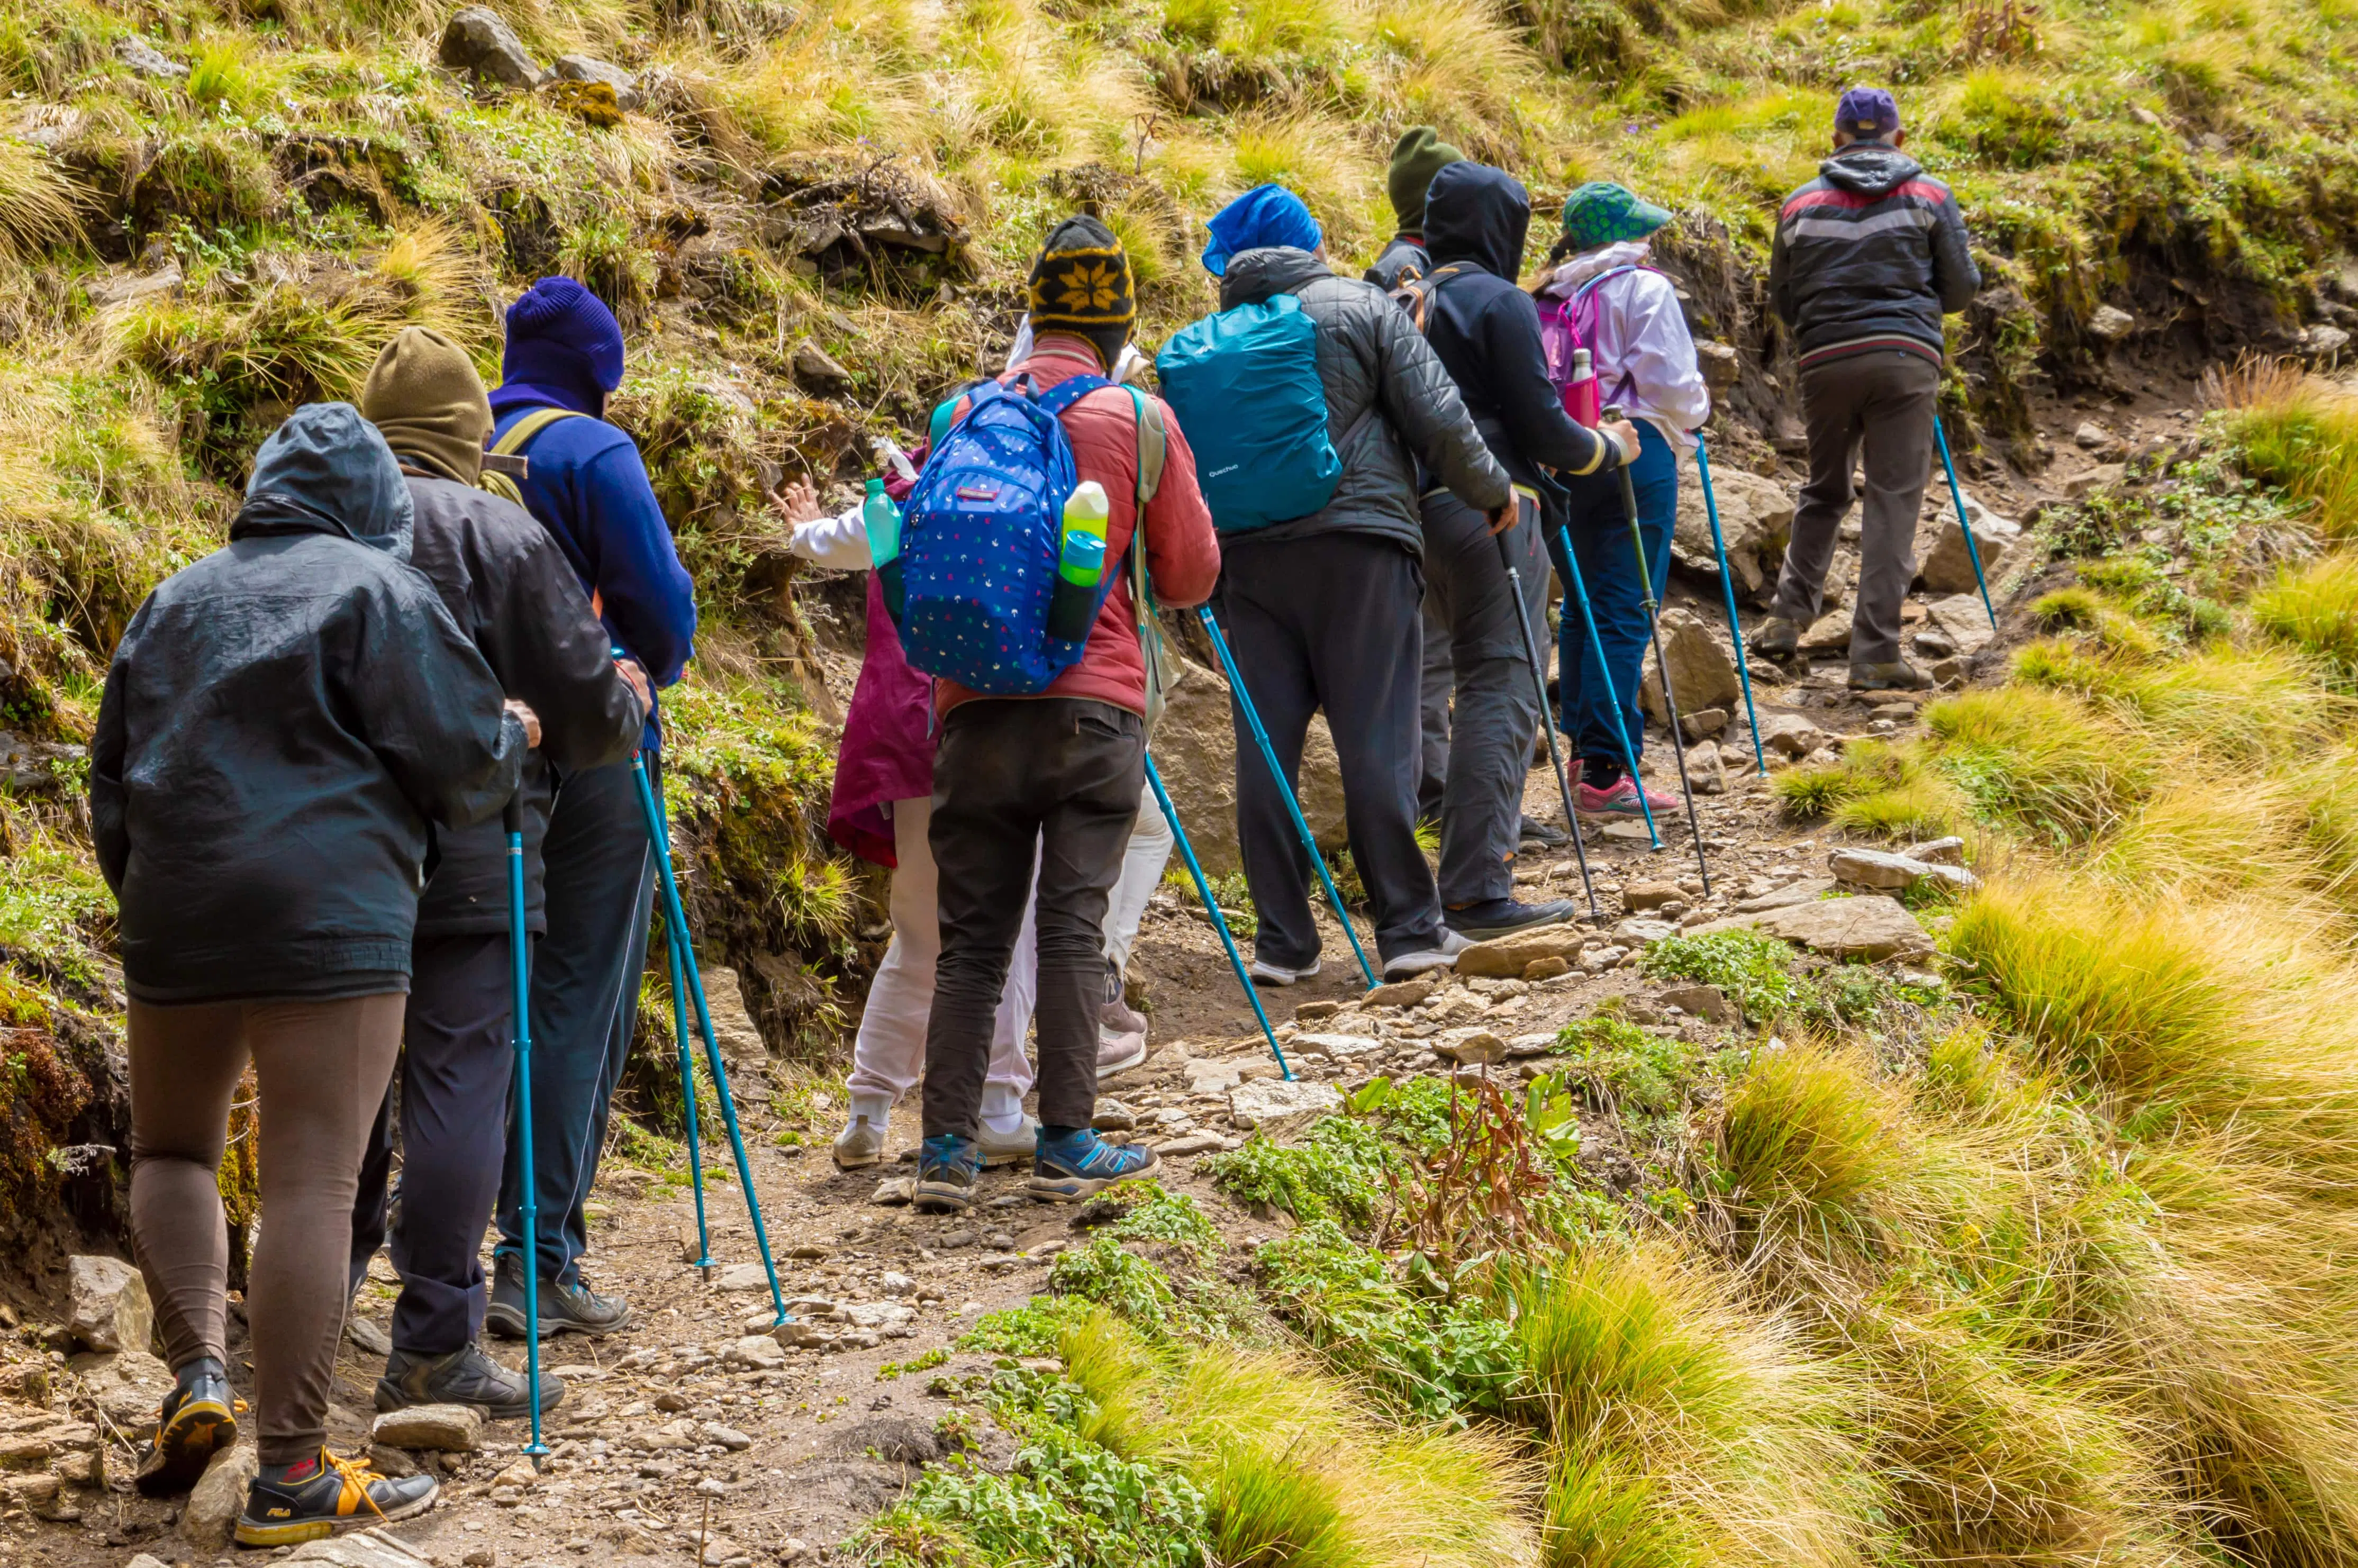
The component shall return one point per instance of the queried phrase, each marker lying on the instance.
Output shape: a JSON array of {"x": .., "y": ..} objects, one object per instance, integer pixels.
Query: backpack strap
[
  {"x": 1415, "y": 294},
  {"x": 511, "y": 444}
]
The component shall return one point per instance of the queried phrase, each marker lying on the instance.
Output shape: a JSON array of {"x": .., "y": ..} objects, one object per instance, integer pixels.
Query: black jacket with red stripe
[{"x": 1869, "y": 256}]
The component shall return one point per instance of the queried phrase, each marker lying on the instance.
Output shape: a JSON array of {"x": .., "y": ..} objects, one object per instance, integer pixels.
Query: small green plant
[
  {"x": 1153, "y": 1213},
  {"x": 1229, "y": 890},
  {"x": 1621, "y": 1066},
  {"x": 1065, "y": 1501},
  {"x": 1753, "y": 971},
  {"x": 1336, "y": 1172},
  {"x": 1030, "y": 1329},
  {"x": 926, "y": 1363}
]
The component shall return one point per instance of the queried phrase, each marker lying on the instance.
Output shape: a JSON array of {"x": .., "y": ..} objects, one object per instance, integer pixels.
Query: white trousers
[{"x": 1141, "y": 873}]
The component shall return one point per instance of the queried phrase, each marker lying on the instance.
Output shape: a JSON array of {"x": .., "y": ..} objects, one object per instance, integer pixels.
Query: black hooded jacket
[
  {"x": 281, "y": 722},
  {"x": 506, "y": 581},
  {"x": 1371, "y": 363},
  {"x": 1869, "y": 256},
  {"x": 1487, "y": 330},
  {"x": 1403, "y": 258}
]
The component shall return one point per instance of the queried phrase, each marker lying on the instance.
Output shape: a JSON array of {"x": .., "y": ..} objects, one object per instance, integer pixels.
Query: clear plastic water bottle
[
  {"x": 883, "y": 523},
  {"x": 1080, "y": 562}
]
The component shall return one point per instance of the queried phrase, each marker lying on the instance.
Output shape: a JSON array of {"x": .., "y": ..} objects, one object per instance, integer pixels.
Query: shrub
[{"x": 1752, "y": 969}]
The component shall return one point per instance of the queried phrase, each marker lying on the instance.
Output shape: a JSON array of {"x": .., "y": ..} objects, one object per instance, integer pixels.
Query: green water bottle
[
  {"x": 1080, "y": 562},
  {"x": 883, "y": 520}
]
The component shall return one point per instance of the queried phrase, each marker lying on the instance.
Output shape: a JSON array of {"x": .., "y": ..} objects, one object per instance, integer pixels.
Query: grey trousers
[
  {"x": 1435, "y": 681},
  {"x": 1496, "y": 713},
  {"x": 1878, "y": 407}
]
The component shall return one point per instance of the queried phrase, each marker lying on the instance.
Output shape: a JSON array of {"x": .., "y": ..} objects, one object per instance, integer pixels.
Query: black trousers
[
  {"x": 1331, "y": 622},
  {"x": 1063, "y": 773},
  {"x": 457, "y": 1066}
]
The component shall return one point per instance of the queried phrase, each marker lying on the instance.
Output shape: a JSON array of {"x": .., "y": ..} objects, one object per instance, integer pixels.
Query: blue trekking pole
[
  {"x": 1286, "y": 791},
  {"x": 687, "y": 1085},
  {"x": 685, "y": 952},
  {"x": 1212, "y": 908},
  {"x": 1597, "y": 648},
  {"x": 520, "y": 960},
  {"x": 1973, "y": 552},
  {"x": 1728, "y": 586}
]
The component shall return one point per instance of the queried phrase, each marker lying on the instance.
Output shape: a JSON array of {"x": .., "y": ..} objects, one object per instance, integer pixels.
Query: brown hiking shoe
[
  {"x": 1777, "y": 638},
  {"x": 1897, "y": 676}
]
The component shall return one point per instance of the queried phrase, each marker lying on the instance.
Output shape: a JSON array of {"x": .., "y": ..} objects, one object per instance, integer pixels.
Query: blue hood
[{"x": 326, "y": 470}]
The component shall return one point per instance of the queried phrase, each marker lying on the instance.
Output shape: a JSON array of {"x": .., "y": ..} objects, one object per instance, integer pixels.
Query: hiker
[
  {"x": 283, "y": 724},
  {"x": 1061, "y": 769},
  {"x": 1600, "y": 295},
  {"x": 507, "y": 585},
  {"x": 1868, "y": 257},
  {"x": 1418, "y": 155},
  {"x": 1486, "y": 330},
  {"x": 1322, "y": 609},
  {"x": 587, "y": 487}
]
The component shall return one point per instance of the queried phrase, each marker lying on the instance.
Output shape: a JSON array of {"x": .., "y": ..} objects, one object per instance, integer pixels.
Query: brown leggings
[{"x": 322, "y": 1067}]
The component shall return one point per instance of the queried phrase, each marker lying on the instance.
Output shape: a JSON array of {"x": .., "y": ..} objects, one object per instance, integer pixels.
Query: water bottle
[
  {"x": 1580, "y": 393},
  {"x": 883, "y": 520},
  {"x": 1080, "y": 562}
]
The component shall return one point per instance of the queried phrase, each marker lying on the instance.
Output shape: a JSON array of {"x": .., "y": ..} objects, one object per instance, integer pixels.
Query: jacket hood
[
  {"x": 326, "y": 470},
  {"x": 1870, "y": 169},
  {"x": 1254, "y": 276},
  {"x": 1566, "y": 281},
  {"x": 1476, "y": 213}
]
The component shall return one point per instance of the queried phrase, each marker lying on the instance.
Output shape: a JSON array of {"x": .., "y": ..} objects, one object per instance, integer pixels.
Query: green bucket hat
[{"x": 1601, "y": 212}]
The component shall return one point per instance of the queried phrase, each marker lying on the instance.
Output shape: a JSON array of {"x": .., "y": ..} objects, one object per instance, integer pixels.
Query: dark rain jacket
[
  {"x": 1371, "y": 360},
  {"x": 281, "y": 722},
  {"x": 1869, "y": 256},
  {"x": 1487, "y": 330},
  {"x": 508, "y": 585},
  {"x": 1401, "y": 258}
]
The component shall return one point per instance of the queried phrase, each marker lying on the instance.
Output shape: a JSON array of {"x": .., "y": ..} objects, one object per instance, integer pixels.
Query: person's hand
[
  {"x": 1502, "y": 518},
  {"x": 1625, "y": 436},
  {"x": 530, "y": 720},
  {"x": 636, "y": 679},
  {"x": 796, "y": 503}
]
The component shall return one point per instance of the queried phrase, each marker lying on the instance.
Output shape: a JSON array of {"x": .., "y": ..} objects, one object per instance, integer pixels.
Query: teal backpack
[{"x": 1245, "y": 387}]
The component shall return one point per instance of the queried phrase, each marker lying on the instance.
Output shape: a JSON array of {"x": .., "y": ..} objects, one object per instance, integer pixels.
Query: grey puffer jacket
[{"x": 1371, "y": 358}]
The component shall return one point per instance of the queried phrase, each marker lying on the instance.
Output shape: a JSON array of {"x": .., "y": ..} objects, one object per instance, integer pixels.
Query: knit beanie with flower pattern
[{"x": 1082, "y": 283}]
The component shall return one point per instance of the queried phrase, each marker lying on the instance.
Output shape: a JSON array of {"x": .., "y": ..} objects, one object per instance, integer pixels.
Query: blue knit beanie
[
  {"x": 561, "y": 338},
  {"x": 1265, "y": 215}
]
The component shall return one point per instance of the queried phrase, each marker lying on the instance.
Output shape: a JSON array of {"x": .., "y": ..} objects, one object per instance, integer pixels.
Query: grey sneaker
[
  {"x": 564, "y": 1309},
  {"x": 1009, "y": 1148},
  {"x": 1897, "y": 676},
  {"x": 1441, "y": 955},
  {"x": 1777, "y": 638},
  {"x": 465, "y": 1377},
  {"x": 860, "y": 1145},
  {"x": 1265, "y": 973}
]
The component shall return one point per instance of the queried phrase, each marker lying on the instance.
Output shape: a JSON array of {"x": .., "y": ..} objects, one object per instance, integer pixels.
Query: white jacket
[{"x": 1644, "y": 355}]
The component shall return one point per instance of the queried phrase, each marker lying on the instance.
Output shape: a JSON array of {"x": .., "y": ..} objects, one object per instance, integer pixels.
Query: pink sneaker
[{"x": 1620, "y": 799}]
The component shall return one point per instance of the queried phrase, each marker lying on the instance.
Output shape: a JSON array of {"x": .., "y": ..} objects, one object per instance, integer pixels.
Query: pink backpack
[{"x": 1566, "y": 325}]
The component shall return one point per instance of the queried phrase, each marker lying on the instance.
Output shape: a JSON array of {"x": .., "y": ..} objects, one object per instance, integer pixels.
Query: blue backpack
[
  {"x": 978, "y": 544},
  {"x": 1245, "y": 387}
]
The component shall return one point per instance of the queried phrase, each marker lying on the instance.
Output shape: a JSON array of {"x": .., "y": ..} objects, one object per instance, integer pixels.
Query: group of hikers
[{"x": 430, "y": 649}]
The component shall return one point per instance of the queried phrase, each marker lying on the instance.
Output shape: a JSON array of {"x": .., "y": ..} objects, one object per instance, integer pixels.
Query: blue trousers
[
  {"x": 1599, "y": 528},
  {"x": 600, "y": 872}
]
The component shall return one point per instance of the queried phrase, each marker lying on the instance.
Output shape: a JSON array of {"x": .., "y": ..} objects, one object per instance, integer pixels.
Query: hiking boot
[
  {"x": 1897, "y": 676},
  {"x": 1546, "y": 835},
  {"x": 327, "y": 1496},
  {"x": 1009, "y": 1148},
  {"x": 197, "y": 1421},
  {"x": 1447, "y": 944},
  {"x": 464, "y": 1377},
  {"x": 1504, "y": 916},
  {"x": 1619, "y": 799},
  {"x": 1776, "y": 638},
  {"x": 564, "y": 1309},
  {"x": 862, "y": 1142},
  {"x": 1080, "y": 1164},
  {"x": 946, "y": 1167},
  {"x": 1265, "y": 973}
]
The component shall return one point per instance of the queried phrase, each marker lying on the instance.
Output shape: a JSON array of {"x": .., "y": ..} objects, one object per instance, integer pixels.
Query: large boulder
[
  {"x": 1196, "y": 751},
  {"x": 1703, "y": 670},
  {"x": 1756, "y": 518},
  {"x": 1946, "y": 568},
  {"x": 1506, "y": 957},
  {"x": 109, "y": 1304},
  {"x": 1962, "y": 618},
  {"x": 476, "y": 39},
  {"x": 1870, "y": 927}
]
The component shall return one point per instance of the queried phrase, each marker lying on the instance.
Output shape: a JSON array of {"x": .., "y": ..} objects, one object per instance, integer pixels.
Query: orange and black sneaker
[
  {"x": 325, "y": 1496},
  {"x": 198, "y": 1420}
]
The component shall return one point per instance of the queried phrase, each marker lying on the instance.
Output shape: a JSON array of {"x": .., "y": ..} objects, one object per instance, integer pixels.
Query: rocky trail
[{"x": 697, "y": 1436}]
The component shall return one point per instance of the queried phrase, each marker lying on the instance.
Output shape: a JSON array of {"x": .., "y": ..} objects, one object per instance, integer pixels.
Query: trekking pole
[
  {"x": 520, "y": 962},
  {"x": 679, "y": 1030},
  {"x": 685, "y": 952},
  {"x": 1728, "y": 586},
  {"x": 1973, "y": 552},
  {"x": 1293, "y": 805},
  {"x": 1597, "y": 648},
  {"x": 1212, "y": 908},
  {"x": 1546, "y": 719},
  {"x": 1662, "y": 660}
]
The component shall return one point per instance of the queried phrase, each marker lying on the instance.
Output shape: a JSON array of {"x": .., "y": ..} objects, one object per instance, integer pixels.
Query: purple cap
[{"x": 1868, "y": 112}]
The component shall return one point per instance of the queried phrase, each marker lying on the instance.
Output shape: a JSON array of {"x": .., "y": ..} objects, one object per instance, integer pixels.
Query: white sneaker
[
  {"x": 859, "y": 1144},
  {"x": 1265, "y": 973},
  {"x": 1012, "y": 1146},
  {"x": 1441, "y": 955},
  {"x": 1118, "y": 1050}
]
